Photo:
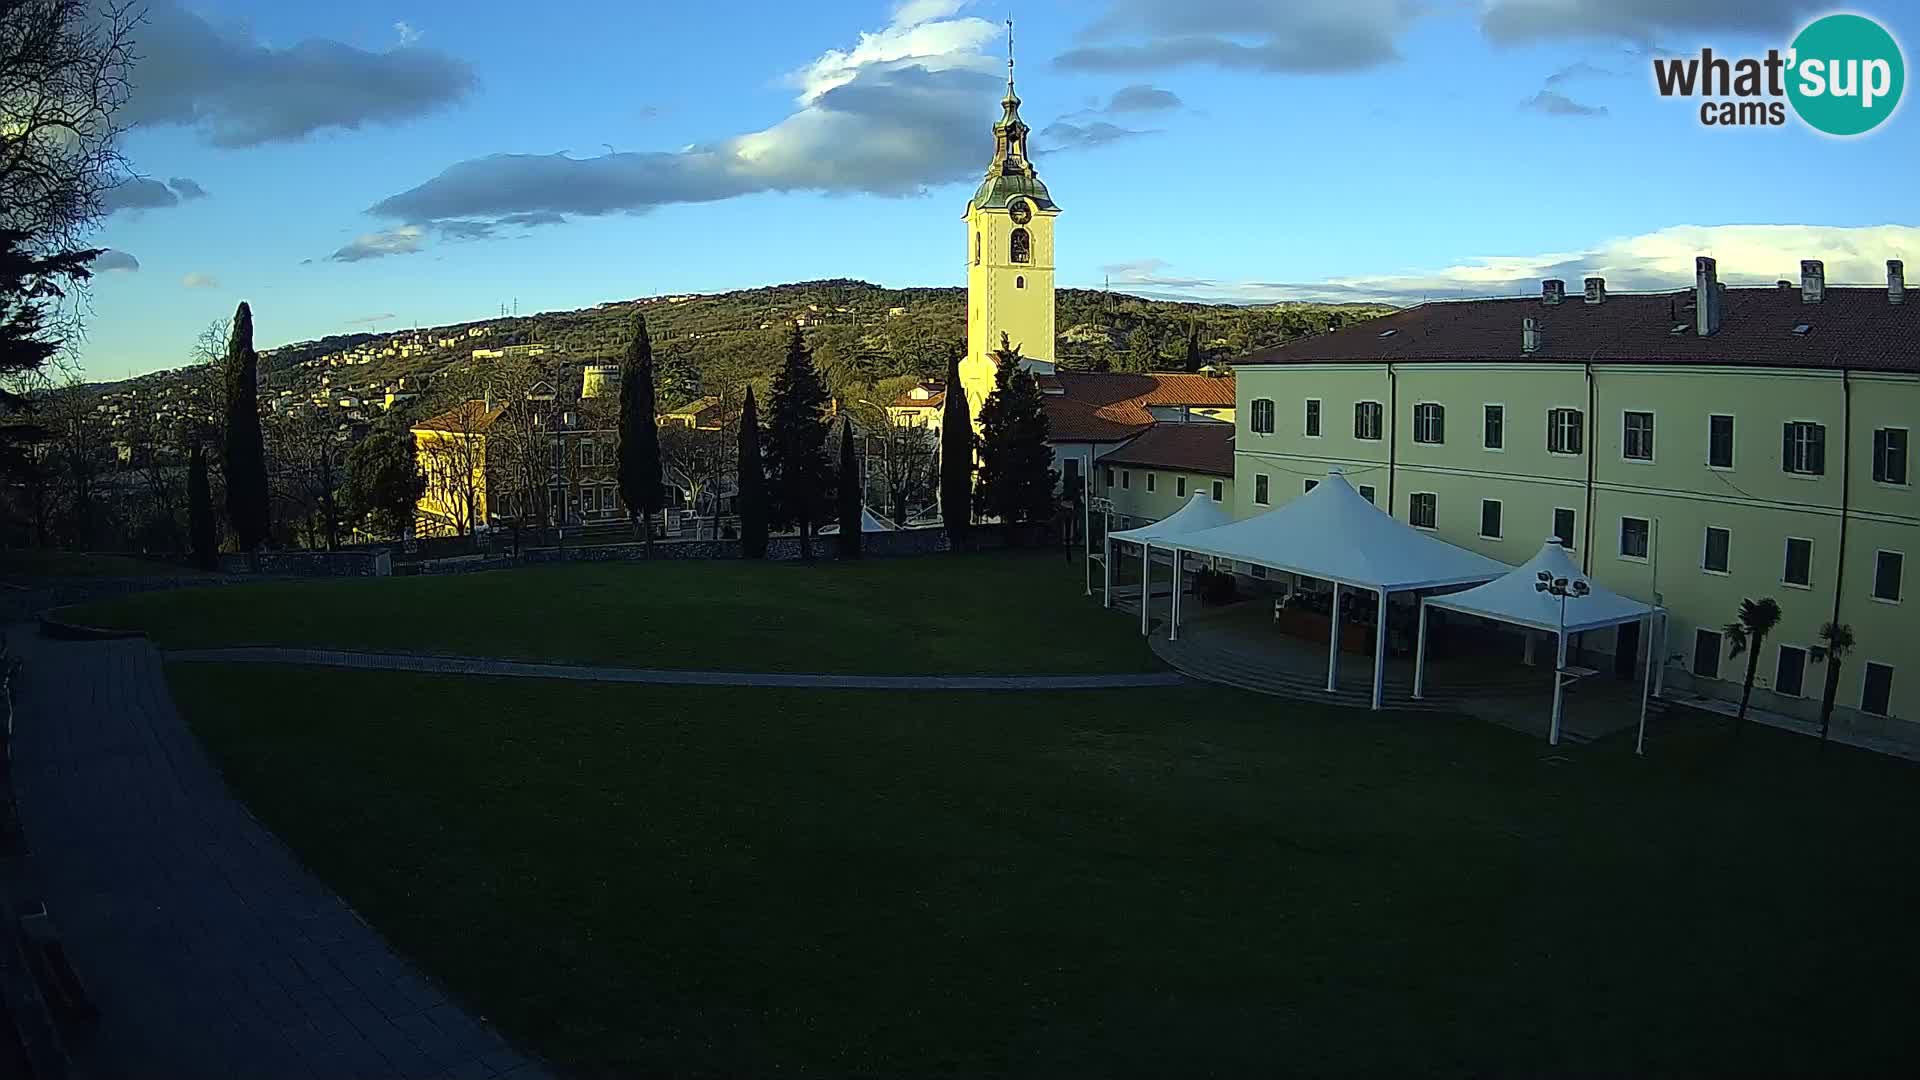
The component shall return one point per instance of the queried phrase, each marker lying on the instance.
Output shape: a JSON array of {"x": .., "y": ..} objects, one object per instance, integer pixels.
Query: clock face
[{"x": 1022, "y": 212}]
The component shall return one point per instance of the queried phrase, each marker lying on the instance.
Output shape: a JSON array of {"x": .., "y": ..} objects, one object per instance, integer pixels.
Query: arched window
[
  {"x": 1022, "y": 246},
  {"x": 1020, "y": 283},
  {"x": 976, "y": 249}
]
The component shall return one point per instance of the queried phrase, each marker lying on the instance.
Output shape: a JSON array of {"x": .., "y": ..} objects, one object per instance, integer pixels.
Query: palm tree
[
  {"x": 1838, "y": 642},
  {"x": 1757, "y": 620}
]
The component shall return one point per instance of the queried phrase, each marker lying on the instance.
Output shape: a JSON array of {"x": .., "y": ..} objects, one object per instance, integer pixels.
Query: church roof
[
  {"x": 1088, "y": 406},
  {"x": 997, "y": 190},
  {"x": 1011, "y": 174}
]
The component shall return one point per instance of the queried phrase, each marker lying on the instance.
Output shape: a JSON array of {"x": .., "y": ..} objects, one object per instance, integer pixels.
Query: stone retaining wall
[{"x": 375, "y": 563}]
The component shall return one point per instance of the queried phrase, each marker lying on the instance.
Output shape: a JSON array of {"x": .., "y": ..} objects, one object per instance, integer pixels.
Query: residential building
[
  {"x": 1092, "y": 413},
  {"x": 1697, "y": 447},
  {"x": 1154, "y": 473},
  {"x": 921, "y": 406}
]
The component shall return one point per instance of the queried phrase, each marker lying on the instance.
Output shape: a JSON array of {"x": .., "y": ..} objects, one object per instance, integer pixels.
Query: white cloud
[
  {"x": 404, "y": 240},
  {"x": 1746, "y": 254},
  {"x": 408, "y": 35},
  {"x": 198, "y": 280},
  {"x": 112, "y": 261}
]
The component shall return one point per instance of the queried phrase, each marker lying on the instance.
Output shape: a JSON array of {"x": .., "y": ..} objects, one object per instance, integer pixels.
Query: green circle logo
[{"x": 1847, "y": 74}]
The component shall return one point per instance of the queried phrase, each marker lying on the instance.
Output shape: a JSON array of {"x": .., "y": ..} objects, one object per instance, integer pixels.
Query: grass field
[
  {"x": 1011, "y": 613},
  {"x": 1187, "y": 881}
]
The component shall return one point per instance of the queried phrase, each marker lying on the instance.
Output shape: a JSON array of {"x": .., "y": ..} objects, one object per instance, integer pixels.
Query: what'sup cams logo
[{"x": 1842, "y": 75}]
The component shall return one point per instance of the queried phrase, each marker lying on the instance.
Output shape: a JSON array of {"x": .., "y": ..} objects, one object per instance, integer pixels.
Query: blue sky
[{"x": 373, "y": 165}]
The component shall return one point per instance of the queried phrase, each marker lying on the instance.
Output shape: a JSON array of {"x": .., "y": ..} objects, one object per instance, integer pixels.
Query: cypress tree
[
  {"x": 1016, "y": 473},
  {"x": 200, "y": 509},
  {"x": 1195, "y": 361},
  {"x": 751, "y": 495},
  {"x": 639, "y": 466},
  {"x": 797, "y": 468},
  {"x": 850, "y": 494},
  {"x": 245, "y": 452},
  {"x": 956, "y": 459}
]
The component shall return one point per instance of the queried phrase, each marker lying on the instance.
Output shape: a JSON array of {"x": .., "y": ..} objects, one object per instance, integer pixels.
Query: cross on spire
[{"x": 1009, "y": 57}]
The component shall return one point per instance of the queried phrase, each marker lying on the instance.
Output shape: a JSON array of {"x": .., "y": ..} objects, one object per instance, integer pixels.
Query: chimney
[
  {"x": 1896, "y": 281},
  {"x": 1706, "y": 296},
  {"x": 1596, "y": 290},
  {"x": 1552, "y": 291},
  {"x": 1783, "y": 283},
  {"x": 1813, "y": 281},
  {"x": 1529, "y": 336}
]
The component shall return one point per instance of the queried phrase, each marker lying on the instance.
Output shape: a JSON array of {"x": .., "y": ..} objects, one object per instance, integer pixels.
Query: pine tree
[
  {"x": 245, "y": 452},
  {"x": 798, "y": 473},
  {"x": 956, "y": 459},
  {"x": 849, "y": 491},
  {"x": 1195, "y": 361},
  {"x": 200, "y": 509},
  {"x": 1016, "y": 473},
  {"x": 751, "y": 495},
  {"x": 639, "y": 466}
]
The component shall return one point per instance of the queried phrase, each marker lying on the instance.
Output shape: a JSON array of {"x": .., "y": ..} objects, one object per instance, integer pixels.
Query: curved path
[
  {"x": 461, "y": 665},
  {"x": 207, "y": 946}
]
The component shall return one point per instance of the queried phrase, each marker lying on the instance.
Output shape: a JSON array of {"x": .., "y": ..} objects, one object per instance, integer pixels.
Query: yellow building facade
[{"x": 1010, "y": 260}]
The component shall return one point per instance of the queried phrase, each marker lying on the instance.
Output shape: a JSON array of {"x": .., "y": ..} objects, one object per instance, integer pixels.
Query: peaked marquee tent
[
  {"x": 1334, "y": 534},
  {"x": 1517, "y": 599},
  {"x": 1201, "y": 512}
]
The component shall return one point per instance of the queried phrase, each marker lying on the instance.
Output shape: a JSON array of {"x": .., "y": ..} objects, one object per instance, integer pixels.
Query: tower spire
[{"x": 1010, "y": 60}]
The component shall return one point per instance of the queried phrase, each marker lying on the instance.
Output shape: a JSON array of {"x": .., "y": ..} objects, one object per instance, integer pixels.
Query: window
[
  {"x": 1494, "y": 435},
  {"x": 586, "y": 452},
  {"x": 1366, "y": 492},
  {"x": 1150, "y": 480},
  {"x": 1219, "y": 490},
  {"x": 1633, "y": 538},
  {"x": 1070, "y": 479},
  {"x": 1490, "y": 519},
  {"x": 976, "y": 249},
  {"x": 1564, "y": 430},
  {"x": 1887, "y": 566},
  {"x": 1313, "y": 418},
  {"x": 1719, "y": 547},
  {"x": 1366, "y": 420},
  {"x": 1429, "y": 423},
  {"x": 1876, "y": 689},
  {"x": 1126, "y": 479},
  {"x": 1109, "y": 476},
  {"x": 1020, "y": 282},
  {"x": 1803, "y": 448},
  {"x": 1423, "y": 509},
  {"x": 1799, "y": 568},
  {"x": 1790, "y": 677},
  {"x": 1260, "y": 489},
  {"x": 1563, "y": 527},
  {"x": 1179, "y": 487},
  {"x": 1636, "y": 436},
  {"x": 1020, "y": 246},
  {"x": 1310, "y": 485},
  {"x": 1262, "y": 416},
  {"x": 1890, "y": 456},
  {"x": 1720, "y": 441},
  {"x": 1706, "y": 654}
]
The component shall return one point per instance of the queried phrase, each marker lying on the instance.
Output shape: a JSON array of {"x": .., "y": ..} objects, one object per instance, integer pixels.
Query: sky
[{"x": 373, "y": 165}]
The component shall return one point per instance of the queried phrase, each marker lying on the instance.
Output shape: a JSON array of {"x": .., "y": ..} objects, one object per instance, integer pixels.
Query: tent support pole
[
  {"x": 1646, "y": 686},
  {"x": 1333, "y": 643},
  {"x": 1380, "y": 653},
  {"x": 1660, "y": 674},
  {"x": 1526, "y": 651},
  {"x": 1420, "y": 656},
  {"x": 1146, "y": 585},
  {"x": 1559, "y": 690},
  {"x": 1106, "y": 571},
  {"x": 1173, "y": 618}
]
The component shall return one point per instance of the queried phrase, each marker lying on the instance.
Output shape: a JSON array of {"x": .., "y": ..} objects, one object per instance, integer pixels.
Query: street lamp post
[{"x": 1545, "y": 582}]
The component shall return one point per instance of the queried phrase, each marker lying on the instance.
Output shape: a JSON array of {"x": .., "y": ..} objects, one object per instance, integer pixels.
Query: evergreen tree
[
  {"x": 31, "y": 288},
  {"x": 1195, "y": 361},
  {"x": 245, "y": 453},
  {"x": 798, "y": 472},
  {"x": 639, "y": 468},
  {"x": 956, "y": 459},
  {"x": 1016, "y": 473},
  {"x": 752, "y": 488},
  {"x": 200, "y": 508},
  {"x": 850, "y": 494},
  {"x": 384, "y": 482}
]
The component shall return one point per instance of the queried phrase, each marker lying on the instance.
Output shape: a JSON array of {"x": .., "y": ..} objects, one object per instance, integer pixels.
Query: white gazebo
[
  {"x": 1201, "y": 512},
  {"x": 1335, "y": 534},
  {"x": 1549, "y": 594},
  {"x": 870, "y": 522}
]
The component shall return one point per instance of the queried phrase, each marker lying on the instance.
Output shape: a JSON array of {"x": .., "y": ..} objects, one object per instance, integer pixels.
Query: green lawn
[
  {"x": 1186, "y": 881},
  {"x": 1015, "y": 613},
  {"x": 37, "y": 562}
]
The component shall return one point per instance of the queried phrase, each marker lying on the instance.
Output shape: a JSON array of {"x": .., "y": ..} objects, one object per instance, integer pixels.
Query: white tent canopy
[
  {"x": 870, "y": 522},
  {"x": 1526, "y": 598},
  {"x": 1335, "y": 534},
  {"x": 1201, "y": 512},
  {"x": 1514, "y": 598}
]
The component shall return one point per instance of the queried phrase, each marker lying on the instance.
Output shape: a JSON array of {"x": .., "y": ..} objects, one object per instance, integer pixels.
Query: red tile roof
[
  {"x": 1200, "y": 446},
  {"x": 466, "y": 418},
  {"x": 1851, "y": 328},
  {"x": 1108, "y": 407}
]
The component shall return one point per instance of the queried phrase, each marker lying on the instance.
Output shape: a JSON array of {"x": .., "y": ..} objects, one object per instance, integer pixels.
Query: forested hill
[{"x": 864, "y": 337}]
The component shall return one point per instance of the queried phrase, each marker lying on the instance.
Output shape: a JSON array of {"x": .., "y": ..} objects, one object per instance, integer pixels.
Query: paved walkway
[
  {"x": 461, "y": 665},
  {"x": 210, "y": 950}
]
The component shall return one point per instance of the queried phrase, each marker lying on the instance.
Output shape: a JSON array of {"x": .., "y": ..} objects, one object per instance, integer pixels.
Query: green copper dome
[{"x": 999, "y": 189}]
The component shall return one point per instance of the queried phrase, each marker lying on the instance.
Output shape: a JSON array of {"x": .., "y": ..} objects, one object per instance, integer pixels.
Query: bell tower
[{"x": 1009, "y": 257}]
